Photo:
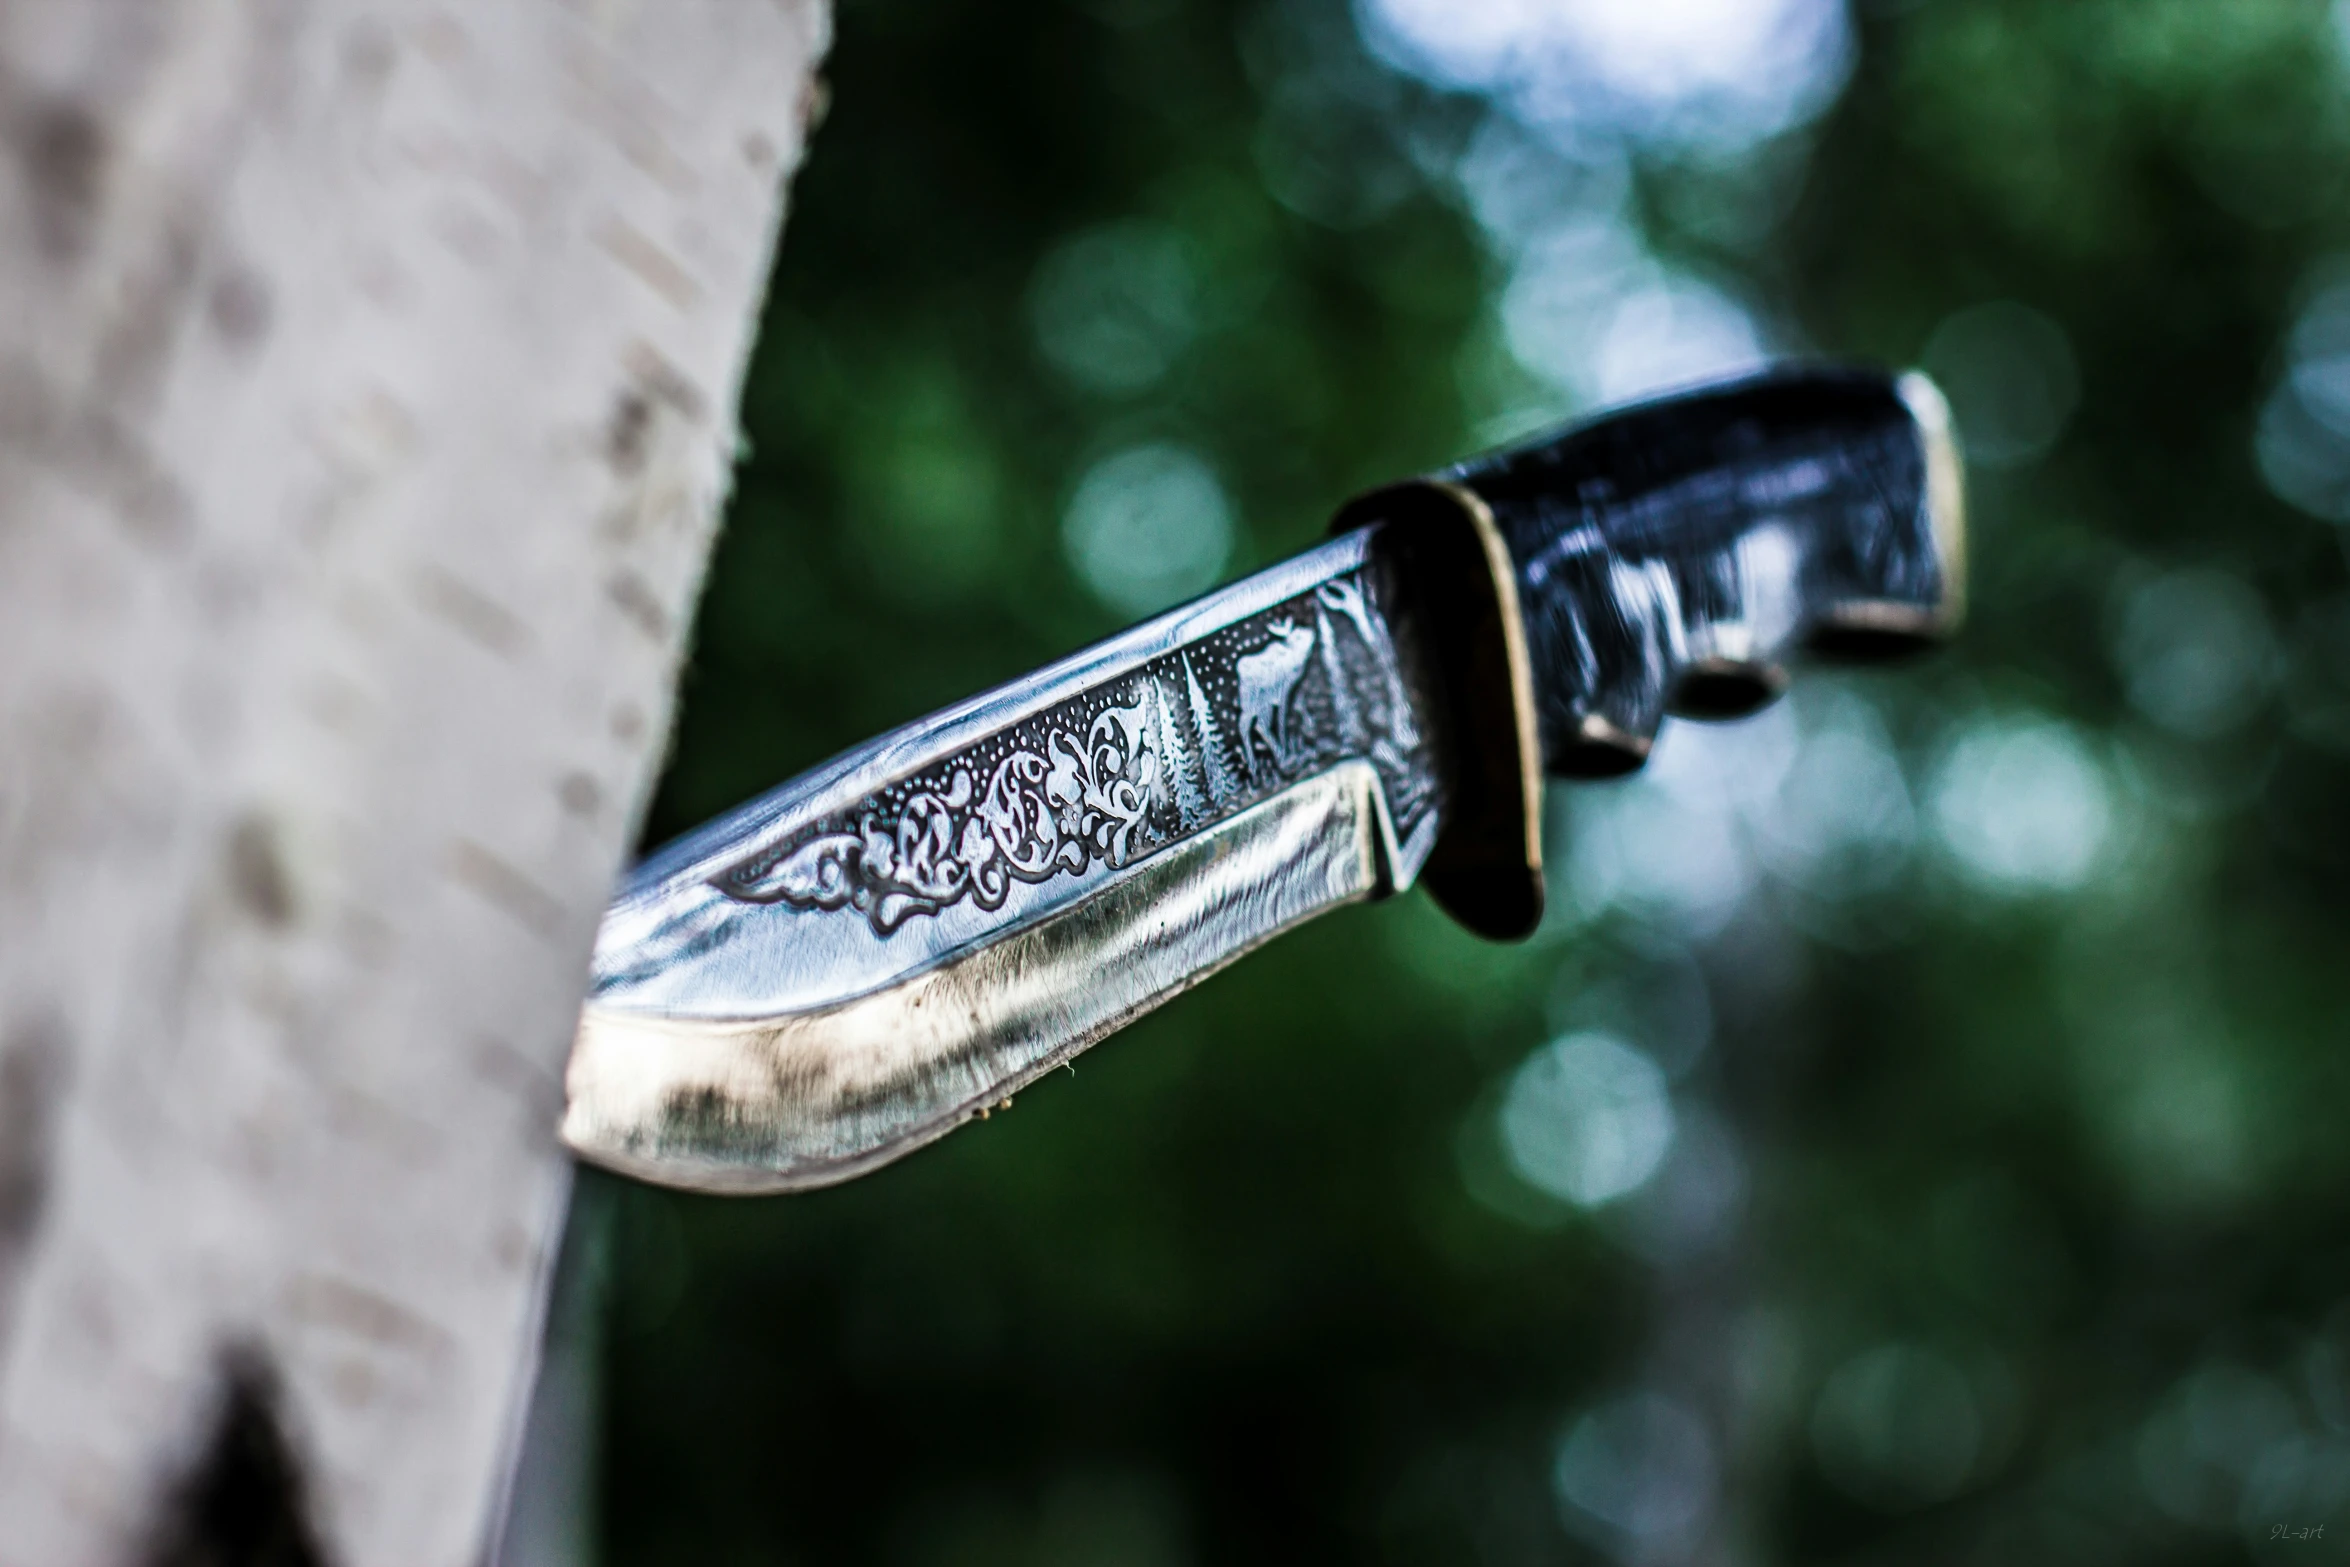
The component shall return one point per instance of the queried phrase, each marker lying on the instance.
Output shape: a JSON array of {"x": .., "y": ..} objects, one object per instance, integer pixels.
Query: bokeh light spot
[
  {"x": 2299, "y": 1477},
  {"x": 1897, "y": 1427},
  {"x": 1148, "y": 527},
  {"x": 1588, "y": 312},
  {"x": 1711, "y": 73},
  {"x": 2195, "y": 1453},
  {"x": 1673, "y": 332},
  {"x": 1587, "y": 1118},
  {"x": 2302, "y": 442},
  {"x": 2195, "y": 651},
  {"x": 2022, "y": 805},
  {"x": 1562, "y": 294},
  {"x": 2319, "y": 348},
  {"x": 2011, "y": 378},
  {"x": 1637, "y": 1476},
  {"x": 1842, "y": 824},
  {"x": 1694, "y": 1200},
  {"x": 1113, "y": 307}
]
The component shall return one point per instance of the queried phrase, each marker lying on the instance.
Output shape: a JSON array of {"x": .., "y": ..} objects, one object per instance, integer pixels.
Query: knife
[{"x": 892, "y": 944}]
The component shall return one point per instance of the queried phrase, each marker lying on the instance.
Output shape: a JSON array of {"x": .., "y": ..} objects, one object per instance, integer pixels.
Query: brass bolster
[{"x": 1486, "y": 867}]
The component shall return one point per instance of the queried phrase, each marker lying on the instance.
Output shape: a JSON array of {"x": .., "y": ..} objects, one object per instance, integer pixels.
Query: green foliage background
[{"x": 1249, "y": 1285}]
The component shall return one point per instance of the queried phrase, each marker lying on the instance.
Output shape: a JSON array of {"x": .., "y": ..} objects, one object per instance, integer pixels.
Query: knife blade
[{"x": 892, "y": 944}]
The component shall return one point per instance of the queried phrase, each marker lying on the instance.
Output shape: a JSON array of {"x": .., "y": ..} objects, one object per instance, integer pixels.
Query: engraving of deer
[{"x": 1268, "y": 678}]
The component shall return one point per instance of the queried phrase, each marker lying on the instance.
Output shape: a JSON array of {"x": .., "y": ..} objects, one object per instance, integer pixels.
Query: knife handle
[
  {"x": 1665, "y": 558},
  {"x": 1669, "y": 557}
]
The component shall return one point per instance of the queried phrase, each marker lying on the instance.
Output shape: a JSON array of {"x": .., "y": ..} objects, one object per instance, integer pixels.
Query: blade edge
[{"x": 815, "y": 1098}]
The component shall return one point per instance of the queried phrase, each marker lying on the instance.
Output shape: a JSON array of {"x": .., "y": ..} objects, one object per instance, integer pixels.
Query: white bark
[{"x": 367, "y": 376}]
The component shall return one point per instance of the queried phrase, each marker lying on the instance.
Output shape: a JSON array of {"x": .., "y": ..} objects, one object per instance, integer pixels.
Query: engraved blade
[{"x": 876, "y": 952}]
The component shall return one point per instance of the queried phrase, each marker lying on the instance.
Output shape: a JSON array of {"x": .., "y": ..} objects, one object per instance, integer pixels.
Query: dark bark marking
[
  {"x": 653, "y": 264},
  {"x": 634, "y": 598},
  {"x": 442, "y": 39},
  {"x": 257, "y": 872},
  {"x": 365, "y": 1314},
  {"x": 369, "y": 53},
  {"x": 33, "y": 1062},
  {"x": 240, "y": 307},
  {"x": 244, "y": 1503},
  {"x": 92, "y": 448},
  {"x": 504, "y": 887},
  {"x": 469, "y": 610},
  {"x": 579, "y": 793},
  {"x": 159, "y": 296},
  {"x": 625, "y": 437},
  {"x": 503, "y": 1067},
  {"x": 663, "y": 382},
  {"x": 64, "y": 152},
  {"x": 654, "y": 384}
]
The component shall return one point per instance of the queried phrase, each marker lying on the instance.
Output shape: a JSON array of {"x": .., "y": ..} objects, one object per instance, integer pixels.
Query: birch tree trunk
[{"x": 367, "y": 386}]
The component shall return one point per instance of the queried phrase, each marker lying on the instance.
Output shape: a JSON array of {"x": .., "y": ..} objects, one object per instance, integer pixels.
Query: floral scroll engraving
[
  {"x": 1037, "y": 814},
  {"x": 1110, "y": 775}
]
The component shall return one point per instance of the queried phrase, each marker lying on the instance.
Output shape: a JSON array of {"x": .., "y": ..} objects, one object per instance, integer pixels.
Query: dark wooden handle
[
  {"x": 1663, "y": 558},
  {"x": 1669, "y": 557}
]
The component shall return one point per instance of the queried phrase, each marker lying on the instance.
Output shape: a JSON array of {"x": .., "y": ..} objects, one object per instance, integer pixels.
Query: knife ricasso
[{"x": 809, "y": 1099}]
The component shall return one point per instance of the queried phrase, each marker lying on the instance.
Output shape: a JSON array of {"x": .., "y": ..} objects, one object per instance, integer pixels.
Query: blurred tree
[{"x": 364, "y": 387}]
